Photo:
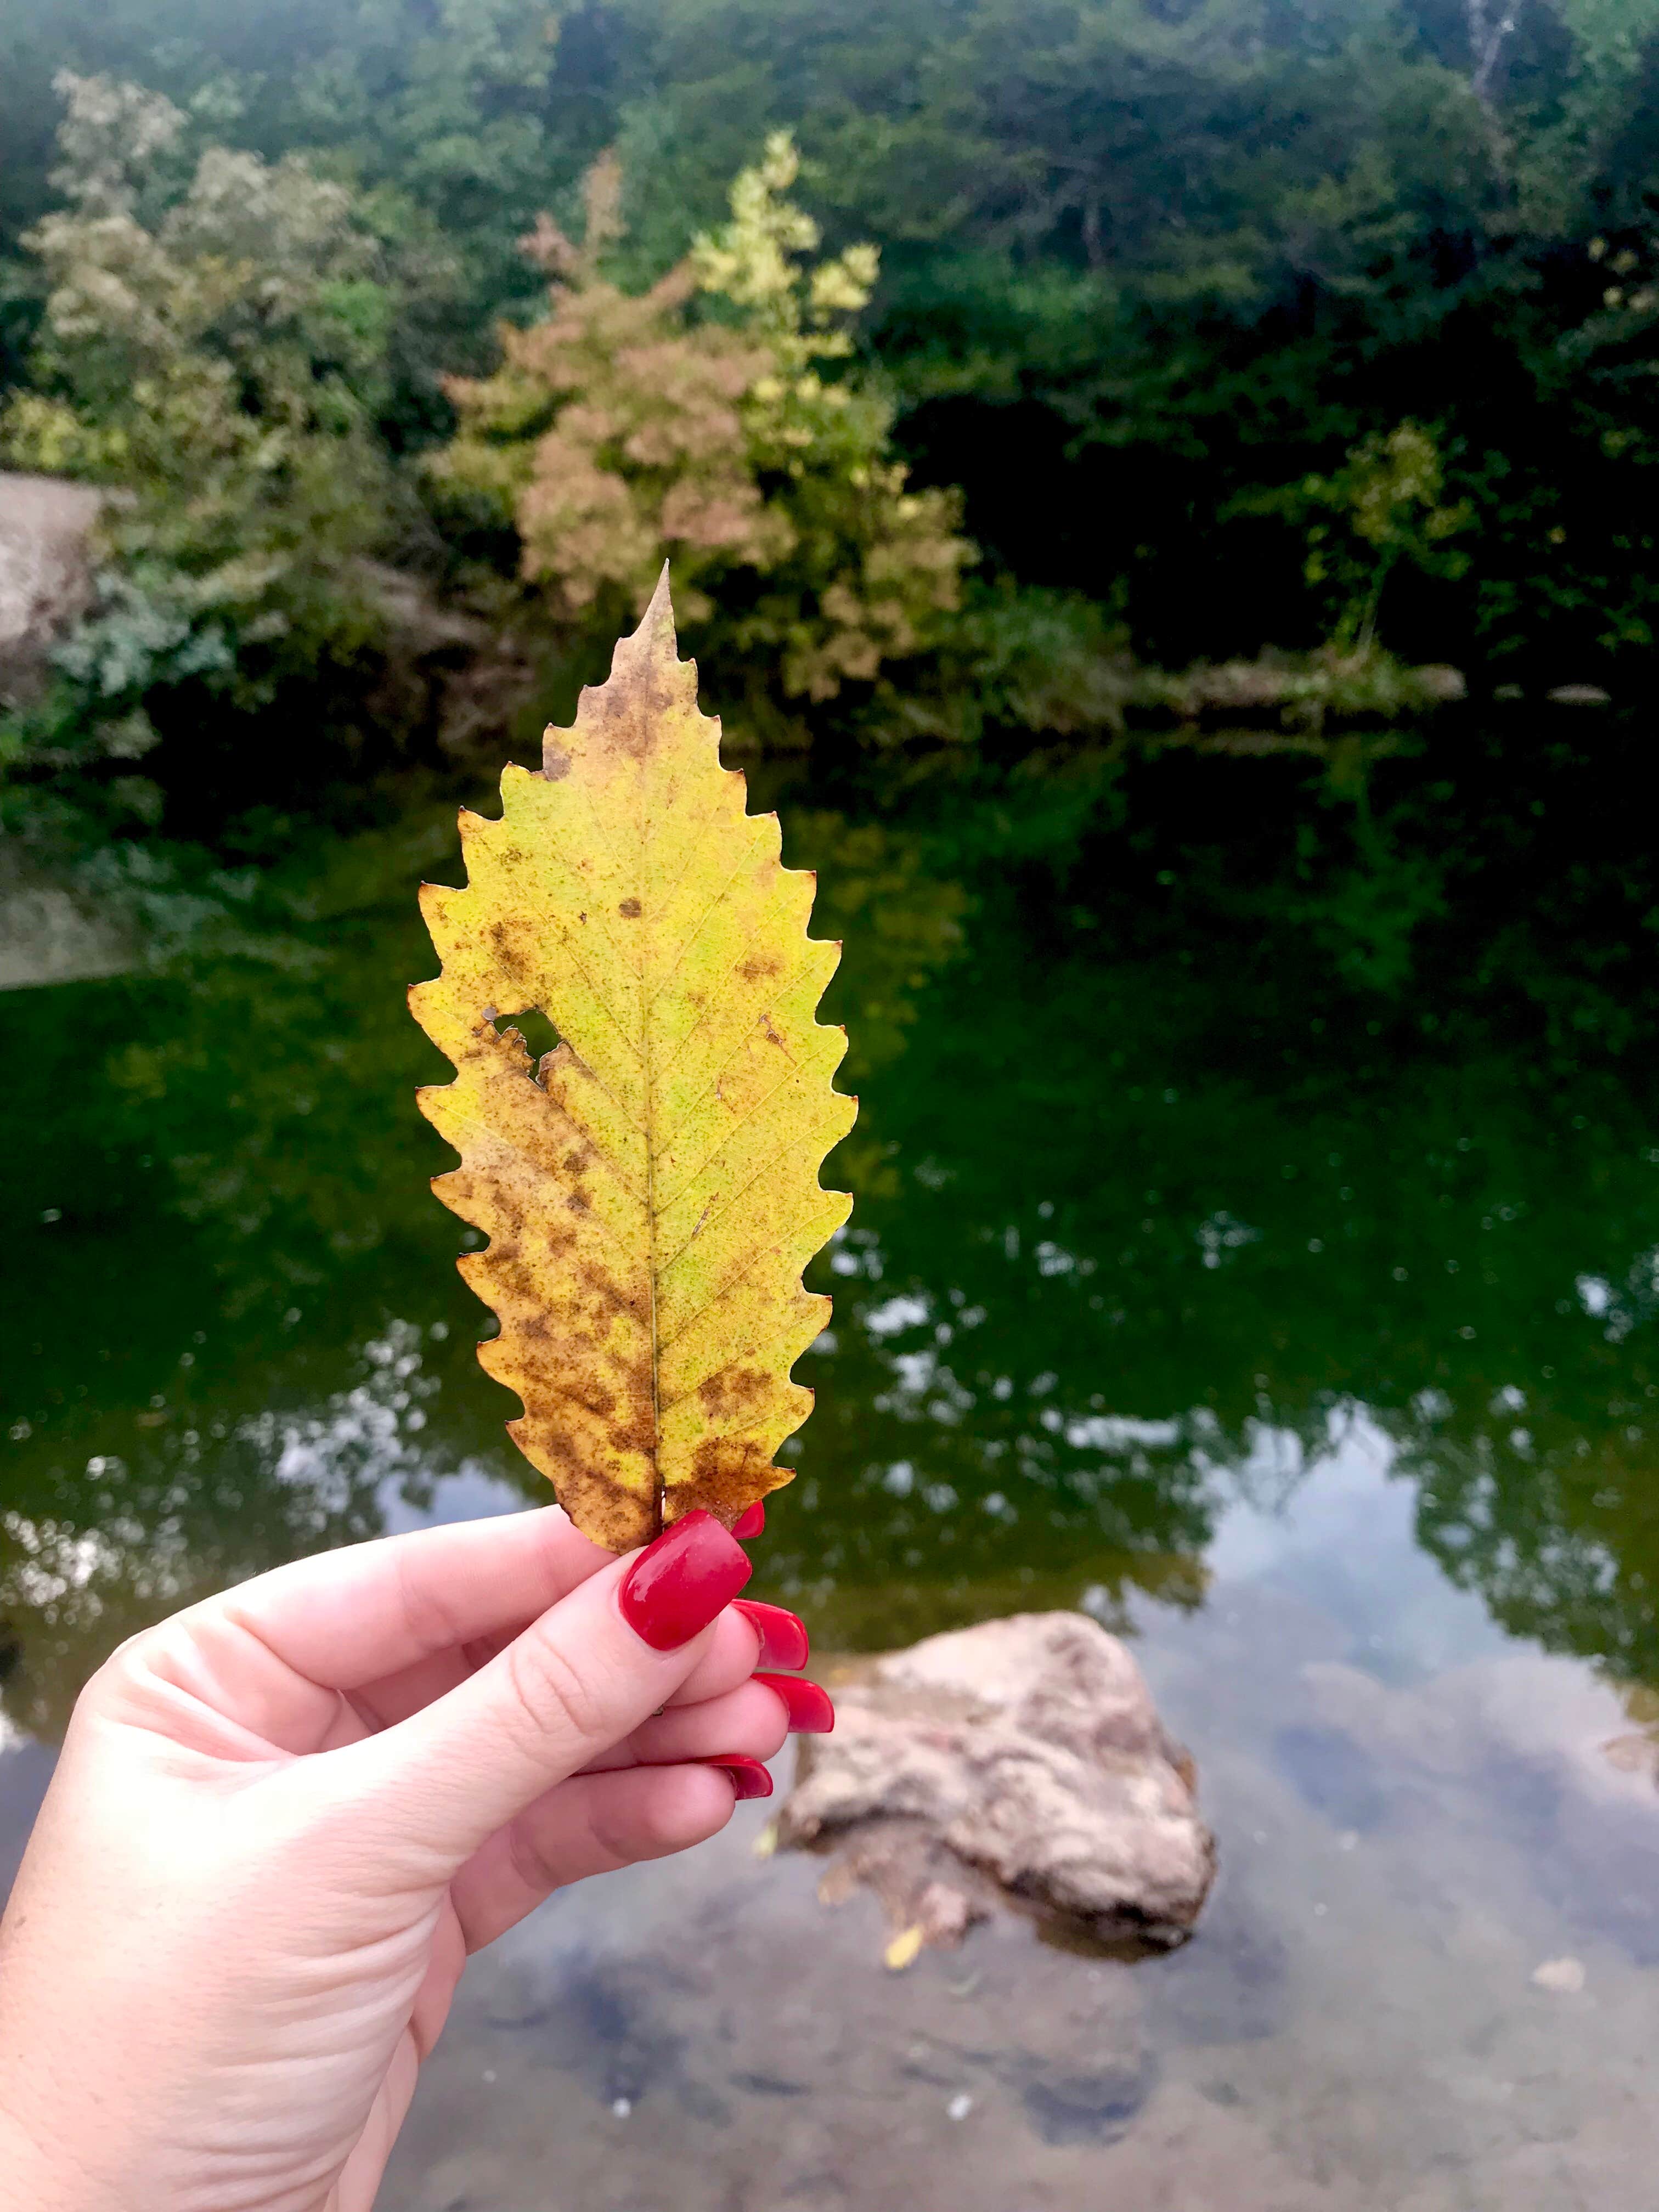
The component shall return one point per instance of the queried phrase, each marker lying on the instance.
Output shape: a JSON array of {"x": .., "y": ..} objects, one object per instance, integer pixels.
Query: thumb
[{"x": 576, "y": 1681}]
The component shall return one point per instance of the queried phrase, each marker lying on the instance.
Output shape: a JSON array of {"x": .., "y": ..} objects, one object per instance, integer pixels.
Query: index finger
[
  {"x": 352, "y": 1616},
  {"x": 731, "y": 1659}
]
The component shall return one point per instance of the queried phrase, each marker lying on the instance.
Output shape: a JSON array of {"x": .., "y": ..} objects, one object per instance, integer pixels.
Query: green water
[
  {"x": 1307, "y": 1338},
  {"x": 1120, "y": 1212}
]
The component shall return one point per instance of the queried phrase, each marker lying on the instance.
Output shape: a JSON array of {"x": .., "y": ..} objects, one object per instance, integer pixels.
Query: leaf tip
[
  {"x": 649, "y": 692},
  {"x": 656, "y": 632}
]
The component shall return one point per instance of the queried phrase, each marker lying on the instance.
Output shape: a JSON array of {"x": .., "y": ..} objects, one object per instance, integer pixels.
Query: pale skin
[{"x": 283, "y": 1819}]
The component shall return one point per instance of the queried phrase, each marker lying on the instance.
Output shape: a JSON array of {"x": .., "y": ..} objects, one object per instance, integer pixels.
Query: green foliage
[
  {"x": 1052, "y": 664},
  {"x": 214, "y": 335},
  {"x": 1155, "y": 282},
  {"x": 1171, "y": 258},
  {"x": 1384, "y": 506},
  {"x": 627, "y": 429},
  {"x": 452, "y": 121}
]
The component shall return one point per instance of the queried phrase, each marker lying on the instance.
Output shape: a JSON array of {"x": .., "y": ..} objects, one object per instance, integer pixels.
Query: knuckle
[
  {"x": 555, "y": 1695},
  {"x": 121, "y": 1670},
  {"x": 536, "y": 1863},
  {"x": 430, "y": 1622},
  {"x": 145, "y": 1673},
  {"x": 623, "y": 1827}
]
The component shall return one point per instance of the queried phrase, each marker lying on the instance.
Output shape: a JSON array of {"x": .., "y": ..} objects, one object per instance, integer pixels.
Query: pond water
[{"x": 1317, "y": 1356}]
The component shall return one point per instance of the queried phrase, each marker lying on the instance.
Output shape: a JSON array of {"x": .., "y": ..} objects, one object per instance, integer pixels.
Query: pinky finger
[{"x": 592, "y": 1824}]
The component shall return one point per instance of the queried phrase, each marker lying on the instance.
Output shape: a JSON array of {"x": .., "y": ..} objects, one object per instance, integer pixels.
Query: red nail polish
[
  {"x": 749, "y": 1778},
  {"x": 809, "y": 1707},
  {"x": 751, "y": 1523},
  {"x": 678, "y": 1584},
  {"x": 782, "y": 1634}
]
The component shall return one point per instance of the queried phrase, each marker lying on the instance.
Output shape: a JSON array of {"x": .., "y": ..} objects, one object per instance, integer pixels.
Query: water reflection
[
  {"x": 1130, "y": 1245},
  {"x": 194, "y": 1507},
  {"x": 1320, "y": 1362}
]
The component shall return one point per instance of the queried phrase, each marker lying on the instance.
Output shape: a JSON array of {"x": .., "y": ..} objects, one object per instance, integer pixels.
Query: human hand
[{"x": 284, "y": 1818}]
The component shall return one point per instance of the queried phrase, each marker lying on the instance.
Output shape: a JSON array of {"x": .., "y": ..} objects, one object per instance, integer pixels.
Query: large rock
[
  {"x": 1020, "y": 1760},
  {"x": 45, "y": 573}
]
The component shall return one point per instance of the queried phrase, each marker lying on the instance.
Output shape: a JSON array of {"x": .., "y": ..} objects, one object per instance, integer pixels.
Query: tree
[
  {"x": 1384, "y": 506},
  {"x": 212, "y": 349},
  {"x": 695, "y": 422}
]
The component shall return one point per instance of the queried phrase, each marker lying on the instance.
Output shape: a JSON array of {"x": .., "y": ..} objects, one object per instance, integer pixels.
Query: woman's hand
[{"x": 284, "y": 1818}]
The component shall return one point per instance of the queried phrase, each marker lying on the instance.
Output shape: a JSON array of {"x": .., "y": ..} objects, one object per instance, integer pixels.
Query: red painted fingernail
[
  {"x": 809, "y": 1707},
  {"x": 751, "y": 1523},
  {"x": 679, "y": 1582},
  {"x": 782, "y": 1634},
  {"x": 749, "y": 1778}
]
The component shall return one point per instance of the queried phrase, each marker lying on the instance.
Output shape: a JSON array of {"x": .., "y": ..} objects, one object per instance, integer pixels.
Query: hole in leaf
[{"x": 538, "y": 1033}]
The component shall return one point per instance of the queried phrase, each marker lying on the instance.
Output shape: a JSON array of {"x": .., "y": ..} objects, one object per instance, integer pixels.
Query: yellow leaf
[
  {"x": 650, "y": 1189},
  {"x": 903, "y": 1951}
]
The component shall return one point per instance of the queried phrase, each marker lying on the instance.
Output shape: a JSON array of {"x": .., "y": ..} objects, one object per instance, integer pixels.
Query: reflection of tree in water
[
  {"x": 1544, "y": 1500},
  {"x": 222, "y": 1188},
  {"x": 1092, "y": 1267},
  {"x": 85, "y": 1563},
  {"x": 1119, "y": 1219}
]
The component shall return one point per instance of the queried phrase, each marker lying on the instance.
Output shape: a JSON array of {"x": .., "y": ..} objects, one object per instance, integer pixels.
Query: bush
[
  {"x": 694, "y": 422},
  {"x": 212, "y": 348}
]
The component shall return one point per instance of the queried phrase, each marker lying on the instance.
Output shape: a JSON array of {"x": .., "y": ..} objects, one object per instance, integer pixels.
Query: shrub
[
  {"x": 1385, "y": 507},
  {"x": 694, "y": 422},
  {"x": 212, "y": 345}
]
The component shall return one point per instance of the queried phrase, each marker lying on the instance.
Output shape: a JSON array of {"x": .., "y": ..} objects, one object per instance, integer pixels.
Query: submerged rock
[
  {"x": 1297, "y": 698},
  {"x": 1020, "y": 1760},
  {"x": 45, "y": 573}
]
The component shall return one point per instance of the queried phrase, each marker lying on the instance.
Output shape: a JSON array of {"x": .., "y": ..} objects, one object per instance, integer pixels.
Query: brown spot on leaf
[
  {"x": 512, "y": 943},
  {"x": 629, "y": 909},
  {"x": 758, "y": 964},
  {"x": 609, "y": 1290},
  {"x": 726, "y": 1474},
  {"x": 732, "y": 1392},
  {"x": 556, "y": 762}
]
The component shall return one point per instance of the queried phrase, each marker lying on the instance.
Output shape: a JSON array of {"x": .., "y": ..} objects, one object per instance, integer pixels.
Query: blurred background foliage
[
  {"x": 1079, "y": 385},
  {"x": 1135, "y": 471},
  {"x": 619, "y": 432}
]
